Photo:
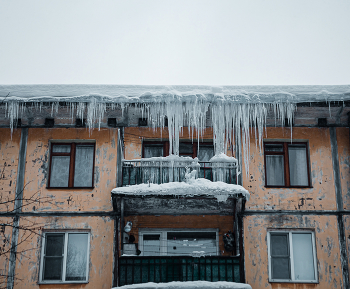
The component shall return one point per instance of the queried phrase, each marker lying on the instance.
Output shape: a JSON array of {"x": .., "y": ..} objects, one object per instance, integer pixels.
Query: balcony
[
  {"x": 135, "y": 269},
  {"x": 174, "y": 168}
]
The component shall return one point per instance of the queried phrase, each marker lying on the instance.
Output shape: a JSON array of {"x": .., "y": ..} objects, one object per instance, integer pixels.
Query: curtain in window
[
  {"x": 303, "y": 257},
  {"x": 76, "y": 257},
  {"x": 297, "y": 166},
  {"x": 274, "y": 170},
  {"x": 205, "y": 153},
  {"x": 83, "y": 166},
  {"x": 59, "y": 171}
]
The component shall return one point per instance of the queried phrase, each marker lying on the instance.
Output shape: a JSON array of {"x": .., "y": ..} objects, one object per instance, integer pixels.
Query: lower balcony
[{"x": 135, "y": 269}]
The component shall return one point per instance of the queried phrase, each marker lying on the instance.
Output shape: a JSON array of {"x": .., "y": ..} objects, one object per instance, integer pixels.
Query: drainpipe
[
  {"x": 340, "y": 207},
  {"x": 18, "y": 206}
]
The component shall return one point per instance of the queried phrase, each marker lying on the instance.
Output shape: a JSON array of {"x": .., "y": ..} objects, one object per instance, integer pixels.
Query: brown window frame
[
  {"x": 166, "y": 147},
  {"x": 286, "y": 163},
  {"x": 71, "y": 154}
]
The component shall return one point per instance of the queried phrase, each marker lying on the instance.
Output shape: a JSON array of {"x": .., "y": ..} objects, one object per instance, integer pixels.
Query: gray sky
[{"x": 175, "y": 42}]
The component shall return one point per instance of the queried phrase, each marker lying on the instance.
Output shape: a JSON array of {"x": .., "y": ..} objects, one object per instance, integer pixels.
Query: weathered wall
[
  {"x": 343, "y": 139},
  {"x": 9, "y": 152},
  {"x": 327, "y": 249},
  {"x": 5, "y": 247},
  {"x": 37, "y": 168},
  {"x": 322, "y": 194},
  {"x": 223, "y": 223},
  {"x": 101, "y": 251}
]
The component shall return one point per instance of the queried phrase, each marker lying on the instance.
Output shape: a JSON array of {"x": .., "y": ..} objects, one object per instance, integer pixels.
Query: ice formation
[{"x": 234, "y": 111}]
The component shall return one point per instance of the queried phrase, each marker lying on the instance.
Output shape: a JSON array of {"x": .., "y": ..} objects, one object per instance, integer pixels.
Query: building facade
[{"x": 256, "y": 189}]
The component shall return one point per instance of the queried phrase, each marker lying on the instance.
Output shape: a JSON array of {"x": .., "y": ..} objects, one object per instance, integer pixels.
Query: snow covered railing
[{"x": 162, "y": 170}]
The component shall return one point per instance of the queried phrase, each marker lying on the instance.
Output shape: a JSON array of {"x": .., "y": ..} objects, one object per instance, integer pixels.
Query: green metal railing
[{"x": 134, "y": 270}]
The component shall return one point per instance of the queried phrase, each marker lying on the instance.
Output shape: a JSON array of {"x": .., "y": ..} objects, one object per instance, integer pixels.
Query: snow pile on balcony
[
  {"x": 193, "y": 187},
  {"x": 188, "y": 285},
  {"x": 222, "y": 158}
]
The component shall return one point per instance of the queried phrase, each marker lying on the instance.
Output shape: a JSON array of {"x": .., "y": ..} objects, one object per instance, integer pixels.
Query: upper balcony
[{"x": 160, "y": 170}]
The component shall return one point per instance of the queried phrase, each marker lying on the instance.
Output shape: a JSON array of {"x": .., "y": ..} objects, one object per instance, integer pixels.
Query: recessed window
[
  {"x": 71, "y": 165},
  {"x": 204, "y": 152},
  {"x": 65, "y": 257},
  {"x": 286, "y": 165},
  {"x": 176, "y": 243},
  {"x": 292, "y": 256}
]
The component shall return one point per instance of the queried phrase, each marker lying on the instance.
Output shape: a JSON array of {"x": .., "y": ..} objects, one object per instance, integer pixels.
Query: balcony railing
[
  {"x": 134, "y": 270},
  {"x": 158, "y": 172}
]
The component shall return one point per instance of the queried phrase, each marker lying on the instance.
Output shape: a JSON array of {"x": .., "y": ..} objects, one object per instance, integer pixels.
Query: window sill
[
  {"x": 62, "y": 282},
  {"x": 294, "y": 281},
  {"x": 70, "y": 188},
  {"x": 294, "y": 187}
]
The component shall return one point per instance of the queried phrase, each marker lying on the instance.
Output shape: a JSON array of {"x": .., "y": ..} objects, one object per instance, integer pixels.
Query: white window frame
[
  {"x": 291, "y": 258},
  {"x": 63, "y": 276},
  {"x": 163, "y": 237}
]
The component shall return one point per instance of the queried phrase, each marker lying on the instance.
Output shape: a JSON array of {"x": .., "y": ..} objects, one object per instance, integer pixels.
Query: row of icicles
[{"x": 227, "y": 119}]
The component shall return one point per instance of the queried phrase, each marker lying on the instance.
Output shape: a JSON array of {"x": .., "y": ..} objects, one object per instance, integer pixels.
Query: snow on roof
[
  {"x": 195, "y": 187},
  {"x": 151, "y": 93},
  {"x": 189, "y": 285}
]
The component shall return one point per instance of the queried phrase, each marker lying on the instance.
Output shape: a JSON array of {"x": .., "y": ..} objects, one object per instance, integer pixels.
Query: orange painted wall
[
  {"x": 101, "y": 251},
  {"x": 327, "y": 249},
  {"x": 5, "y": 247},
  {"x": 322, "y": 194},
  {"x": 9, "y": 152},
  {"x": 223, "y": 223},
  {"x": 37, "y": 168}
]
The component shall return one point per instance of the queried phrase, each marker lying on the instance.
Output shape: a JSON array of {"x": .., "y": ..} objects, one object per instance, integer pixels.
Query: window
[
  {"x": 292, "y": 256},
  {"x": 176, "y": 243},
  {"x": 65, "y": 257},
  {"x": 72, "y": 165},
  {"x": 159, "y": 149},
  {"x": 286, "y": 165}
]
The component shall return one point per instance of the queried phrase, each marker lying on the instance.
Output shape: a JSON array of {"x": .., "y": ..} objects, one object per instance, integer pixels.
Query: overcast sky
[{"x": 175, "y": 42}]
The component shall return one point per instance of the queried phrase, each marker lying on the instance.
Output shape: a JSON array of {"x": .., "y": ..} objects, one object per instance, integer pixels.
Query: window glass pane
[
  {"x": 274, "y": 170},
  {"x": 84, "y": 160},
  {"x": 186, "y": 148},
  {"x": 151, "y": 245},
  {"x": 280, "y": 268},
  {"x": 52, "y": 268},
  {"x": 279, "y": 245},
  {"x": 303, "y": 257},
  {"x": 61, "y": 148},
  {"x": 76, "y": 257},
  {"x": 186, "y": 243},
  {"x": 53, "y": 257},
  {"x": 274, "y": 147},
  {"x": 298, "y": 165},
  {"x": 59, "y": 171},
  {"x": 54, "y": 244},
  {"x": 205, "y": 153},
  {"x": 155, "y": 150}
]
